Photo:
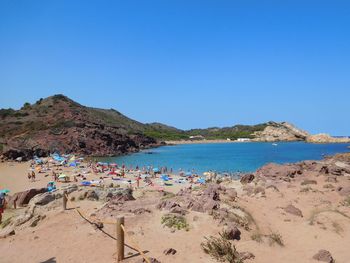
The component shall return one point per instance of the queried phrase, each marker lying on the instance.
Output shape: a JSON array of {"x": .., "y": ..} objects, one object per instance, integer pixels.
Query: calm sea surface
[{"x": 228, "y": 157}]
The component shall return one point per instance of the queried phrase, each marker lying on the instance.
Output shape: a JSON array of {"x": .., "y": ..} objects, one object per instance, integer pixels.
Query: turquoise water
[{"x": 228, "y": 157}]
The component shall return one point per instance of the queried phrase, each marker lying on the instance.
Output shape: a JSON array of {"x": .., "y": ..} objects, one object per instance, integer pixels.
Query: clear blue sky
[{"x": 184, "y": 63}]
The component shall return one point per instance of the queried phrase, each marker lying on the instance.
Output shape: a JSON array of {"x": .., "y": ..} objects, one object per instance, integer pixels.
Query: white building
[{"x": 243, "y": 140}]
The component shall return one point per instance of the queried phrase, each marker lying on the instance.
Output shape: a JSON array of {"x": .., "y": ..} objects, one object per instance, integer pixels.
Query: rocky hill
[
  {"x": 283, "y": 131},
  {"x": 60, "y": 124}
]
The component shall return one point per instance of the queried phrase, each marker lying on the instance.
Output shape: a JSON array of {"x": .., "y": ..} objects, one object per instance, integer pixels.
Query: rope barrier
[{"x": 135, "y": 248}]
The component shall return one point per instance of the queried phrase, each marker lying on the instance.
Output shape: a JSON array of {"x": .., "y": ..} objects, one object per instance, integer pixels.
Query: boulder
[
  {"x": 324, "y": 169},
  {"x": 324, "y": 256},
  {"x": 140, "y": 211},
  {"x": 344, "y": 190},
  {"x": 247, "y": 178},
  {"x": 123, "y": 195},
  {"x": 279, "y": 171},
  {"x": 246, "y": 256},
  {"x": 23, "y": 198},
  {"x": 91, "y": 195},
  {"x": 169, "y": 251},
  {"x": 293, "y": 210},
  {"x": 197, "y": 206},
  {"x": 43, "y": 199},
  {"x": 337, "y": 171},
  {"x": 308, "y": 182},
  {"x": 152, "y": 260},
  {"x": 70, "y": 188},
  {"x": 210, "y": 205},
  {"x": 231, "y": 193},
  {"x": 213, "y": 191},
  {"x": 36, "y": 220},
  {"x": 331, "y": 179},
  {"x": 6, "y": 232},
  {"x": 232, "y": 232},
  {"x": 167, "y": 204},
  {"x": 179, "y": 210}
]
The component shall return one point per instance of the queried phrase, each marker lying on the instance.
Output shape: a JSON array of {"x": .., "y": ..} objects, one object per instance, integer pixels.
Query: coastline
[
  {"x": 169, "y": 143},
  {"x": 200, "y": 142}
]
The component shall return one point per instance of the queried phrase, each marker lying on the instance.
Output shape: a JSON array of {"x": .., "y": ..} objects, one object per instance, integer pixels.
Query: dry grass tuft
[
  {"x": 337, "y": 228},
  {"x": 6, "y": 222},
  {"x": 275, "y": 238},
  {"x": 316, "y": 212},
  {"x": 257, "y": 236},
  {"x": 221, "y": 249},
  {"x": 346, "y": 201}
]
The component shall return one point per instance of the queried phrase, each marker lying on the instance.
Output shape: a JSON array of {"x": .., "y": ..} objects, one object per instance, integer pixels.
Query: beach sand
[
  {"x": 63, "y": 236},
  {"x": 198, "y": 142}
]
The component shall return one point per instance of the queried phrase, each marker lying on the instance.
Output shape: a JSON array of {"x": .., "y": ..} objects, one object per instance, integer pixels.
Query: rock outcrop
[
  {"x": 324, "y": 256},
  {"x": 326, "y": 138},
  {"x": 23, "y": 198},
  {"x": 283, "y": 131}
]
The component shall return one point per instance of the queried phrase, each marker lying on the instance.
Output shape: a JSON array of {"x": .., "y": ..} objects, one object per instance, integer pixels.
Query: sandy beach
[
  {"x": 287, "y": 220},
  {"x": 198, "y": 142}
]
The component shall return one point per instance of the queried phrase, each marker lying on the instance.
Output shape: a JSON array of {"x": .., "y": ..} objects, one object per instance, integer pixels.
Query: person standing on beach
[
  {"x": 138, "y": 181},
  {"x": 33, "y": 176},
  {"x": 2, "y": 205}
]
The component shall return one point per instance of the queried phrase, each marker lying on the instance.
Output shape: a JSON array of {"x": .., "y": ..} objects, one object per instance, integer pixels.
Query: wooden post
[
  {"x": 65, "y": 199},
  {"x": 120, "y": 239}
]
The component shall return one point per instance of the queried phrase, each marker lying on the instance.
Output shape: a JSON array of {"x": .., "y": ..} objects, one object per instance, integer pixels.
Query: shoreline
[
  {"x": 169, "y": 143},
  {"x": 200, "y": 142}
]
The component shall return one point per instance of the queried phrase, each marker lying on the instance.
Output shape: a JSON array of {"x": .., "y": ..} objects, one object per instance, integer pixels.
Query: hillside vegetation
[{"x": 58, "y": 123}]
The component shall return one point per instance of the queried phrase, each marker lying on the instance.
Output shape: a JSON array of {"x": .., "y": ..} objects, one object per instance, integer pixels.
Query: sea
[{"x": 227, "y": 157}]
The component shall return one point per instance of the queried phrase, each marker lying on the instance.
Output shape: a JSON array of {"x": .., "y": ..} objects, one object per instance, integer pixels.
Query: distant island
[{"x": 60, "y": 124}]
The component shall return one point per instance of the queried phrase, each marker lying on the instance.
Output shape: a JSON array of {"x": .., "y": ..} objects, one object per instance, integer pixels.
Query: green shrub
[{"x": 175, "y": 221}]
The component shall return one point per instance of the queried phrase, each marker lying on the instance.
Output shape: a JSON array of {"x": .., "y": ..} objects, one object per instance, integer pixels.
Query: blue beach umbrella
[
  {"x": 164, "y": 177},
  {"x": 156, "y": 170},
  {"x": 201, "y": 180},
  {"x": 188, "y": 174},
  {"x": 4, "y": 191}
]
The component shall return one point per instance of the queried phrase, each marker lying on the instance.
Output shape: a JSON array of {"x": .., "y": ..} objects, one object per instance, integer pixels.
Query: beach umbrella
[
  {"x": 4, "y": 191},
  {"x": 188, "y": 174},
  {"x": 164, "y": 177},
  {"x": 201, "y": 180},
  {"x": 156, "y": 170}
]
